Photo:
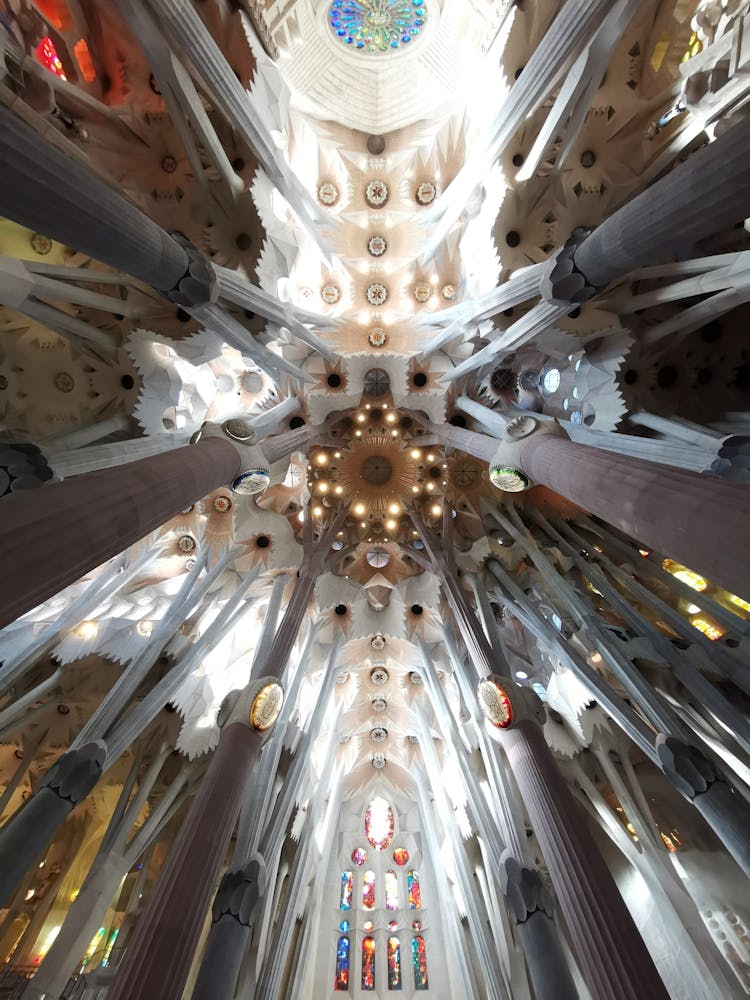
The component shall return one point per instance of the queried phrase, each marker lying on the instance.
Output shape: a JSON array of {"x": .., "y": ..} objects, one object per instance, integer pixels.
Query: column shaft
[
  {"x": 61, "y": 197},
  {"x": 158, "y": 959},
  {"x": 699, "y": 520},
  {"x": 612, "y": 955},
  {"x": 707, "y": 193},
  {"x": 52, "y": 536}
]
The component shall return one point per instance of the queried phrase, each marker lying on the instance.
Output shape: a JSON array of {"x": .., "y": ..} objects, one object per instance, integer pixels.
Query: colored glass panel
[
  {"x": 343, "y": 949},
  {"x": 379, "y": 821},
  {"x": 368, "y": 890},
  {"x": 394, "y": 964},
  {"x": 368, "y": 925},
  {"x": 391, "y": 891},
  {"x": 344, "y": 926},
  {"x": 415, "y": 891},
  {"x": 347, "y": 890},
  {"x": 419, "y": 961},
  {"x": 368, "y": 964},
  {"x": 377, "y": 25},
  {"x": 401, "y": 856},
  {"x": 46, "y": 54},
  {"x": 359, "y": 856},
  {"x": 392, "y": 926}
]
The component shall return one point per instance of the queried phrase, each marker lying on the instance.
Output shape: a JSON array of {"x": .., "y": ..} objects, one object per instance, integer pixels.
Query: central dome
[{"x": 377, "y": 470}]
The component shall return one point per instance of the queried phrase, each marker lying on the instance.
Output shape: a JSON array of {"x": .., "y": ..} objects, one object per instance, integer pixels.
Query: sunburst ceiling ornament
[{"x": 377, "y": 25}]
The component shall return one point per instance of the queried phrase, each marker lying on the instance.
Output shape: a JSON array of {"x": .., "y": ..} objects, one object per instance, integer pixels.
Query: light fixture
[
  {"x": 391, "y": 525},
  {"x": 436, "y": 510},
  {"x": 416, "y": 453},
  {"x": 359, "y": 509},
  {"x": 390, "y": 417},
  {"x": 394, "y": 509}
]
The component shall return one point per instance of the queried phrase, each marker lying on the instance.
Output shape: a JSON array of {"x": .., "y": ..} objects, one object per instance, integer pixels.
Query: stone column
[
  {"x": 62, "y": 197},
  {"x": 612, "y": 955},
  {"x": 27, "y": 833},
  {"x": 158, "y": 959},
  {"x": 532, "y": 911}
]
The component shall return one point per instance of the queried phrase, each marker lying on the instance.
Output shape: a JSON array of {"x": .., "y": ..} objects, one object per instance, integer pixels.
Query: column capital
[
  {"x": 239, "y": 892},
  {"x": 562, "y": 283},
  {"x": 257, "y": 706},
  {"x": 506, "y": 467},
  {"x": 523, "y": 889},
  {"x": 255, "y": 472},
  {"x": 198, "y": 285},
  {"x": 75, "y": 773},
  {"x": 686, "y": 767}
]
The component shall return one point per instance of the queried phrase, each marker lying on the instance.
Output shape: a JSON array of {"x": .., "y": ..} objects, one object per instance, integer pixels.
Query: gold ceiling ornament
[
  {"x": 266, "y": 706},
  {"x": 375, "y": 473}
]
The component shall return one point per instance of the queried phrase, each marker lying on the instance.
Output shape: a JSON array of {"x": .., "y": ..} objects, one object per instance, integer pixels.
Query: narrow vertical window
[
  {"x": 394, "y": 963},
  {"x": 368, "y": 964},
  {"x": 347, "y": 888},
  {"x": 415, "y": 892},
  {"x": 391, "y": 891},
  {"x": 368, "y": 890},
  {"x": 419, "y": 961},
  {"x": 342, "y": 964}
]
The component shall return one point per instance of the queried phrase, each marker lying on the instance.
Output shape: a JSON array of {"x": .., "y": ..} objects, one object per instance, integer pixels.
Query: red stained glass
[
  {"x": 394, "y": 963},
  {"x": 379, "y": 821},
  {"x": 419, "y": 961},
  {"x": 368, "y": 890},
  {"x": 341, "y": 983},
  {"x": 401, "y": 856},
  {"x": 359, "y": 856},
  {"x": 415, "y": 891},
  {"x": 46, "y": 54},
  {"x": 368, "y": 964}
]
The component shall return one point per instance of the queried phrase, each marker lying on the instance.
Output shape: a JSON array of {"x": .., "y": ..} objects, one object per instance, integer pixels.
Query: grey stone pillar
[
  {"x": 710, "y": 191},
  {"x": 51, "y": 537},
  {"x": 234, "y": 910},
  {"x": 27, "y": 833},
  {"x": 726, "y": 812},
  {"x": 531, "y": 908},
  {"x": 60, "y": 196}
]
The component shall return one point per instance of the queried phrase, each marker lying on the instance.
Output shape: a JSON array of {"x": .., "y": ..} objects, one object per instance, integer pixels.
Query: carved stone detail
[
  {"x": 563, "y": 283},
  {"x": 523, "y": 889},
  {"x": 238, "y": 894},
  {"x": 77, "y": 771},
  {"x": 687, "y": 769},
  {"x": 198, "y": 285}
]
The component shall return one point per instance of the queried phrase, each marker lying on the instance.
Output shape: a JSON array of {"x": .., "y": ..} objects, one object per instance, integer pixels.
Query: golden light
[
  {"x": 430, "y": 458},
  {"x": 739, "y": 603},
  {"x": 416, "y": 453},
  {"x": 359, "y": 509},
  {"x": 338, "y": 490},
  {"x": 394, "y": 434},
  {"x": 363, "y": 524},
  {"x": 391, "y": 418},
  {"x": 361, "y": 418},
  {"x": 391, "y": 525},
  {"x": 436, "y": 510},
  {"x": 318, "y": 511},
  {"x": 86, "y": 630},
  {"x": 415, "y": 489},
  {"x": 323, "y": 487},
  {"x": 707, "y": 628},
  {"x": 358, "y": 434},
  {"x": 394, "y": 509},
  {"x": 430, "y": 487},
  {"x": 337, "y": 454},
  {"x": 321, "y": 458}
]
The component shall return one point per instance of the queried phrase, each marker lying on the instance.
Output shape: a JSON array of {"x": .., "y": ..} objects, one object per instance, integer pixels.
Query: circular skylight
[
  {"x": 377, "y": 25},
  {"x": 551, "y": 381}
]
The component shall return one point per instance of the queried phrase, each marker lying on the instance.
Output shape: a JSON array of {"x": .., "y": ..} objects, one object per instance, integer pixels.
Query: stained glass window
[
  {"x": 401, "y": 856},
  {"x": 359, "y": 856},
  {"x": 379, "y": 822},
  {"x": 419, "y": 961},
  {"x": 368, "y": 890},
  {"x": 377, "y": 25},
  {"x": 347, "y": 889},
  {"x": 394, "y": 963},
  {"x": 391, "y": 891},
  {"x": 393, "y": 926},
  {"x": 368, "y": 964},
  {"x": 46, "y": 54},
  {"x": 342, "y": 964},
  {"x": 415, "y": 892}
]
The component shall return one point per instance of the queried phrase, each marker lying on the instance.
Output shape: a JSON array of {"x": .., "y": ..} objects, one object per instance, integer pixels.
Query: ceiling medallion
[
  {"x": 509, "y": 480},
  {"x": 186, "y": 543},
  {"x": 40, "y": 244},
  {"x": 448, "y": 293},
  {"x": 377, "y": 336},
  {"x": 378, "y": 734},
  {"x": 377, "y": 246},
  {"x": 328, "y": 194},
  {"x": 416, "y": 678},
  {"x": 377, "y": 294},
  {"x": 426, "y": 193},
  {"x": 238, "y": 429},
  {"x": 377, "y": 25},
  {"x": 378, "y": 761},
  {"x": 251, "y": 482},
  {"x": 378, "y": 705},
  {"x": 252, "y": 382},
  {"x": 379, "y": 676},
  {"x": 266, "y": 706},
  {"x": 64, "y": 382},
  {"x": 422, "y": 292},
  {"x": 376, "y": 194},
  {"x": 495, "y": 703},
  {"x": 377, "y": 643},
  {"x": 222, "y": 503},
  {"x": 330, "y": 294}
]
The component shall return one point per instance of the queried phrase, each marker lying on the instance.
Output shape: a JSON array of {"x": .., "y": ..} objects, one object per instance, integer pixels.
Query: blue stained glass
[
  {"x": 377, "y": 25},
  {"x": 341, "y": 981}
]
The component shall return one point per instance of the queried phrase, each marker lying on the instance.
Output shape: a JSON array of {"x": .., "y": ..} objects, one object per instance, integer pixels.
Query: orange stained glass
[
  {"x": 368, "y": 890},
  {"x": 415, "y": 891},
  {"x": 84, "y": 60},
  {"x": 368, "y": 964}
]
